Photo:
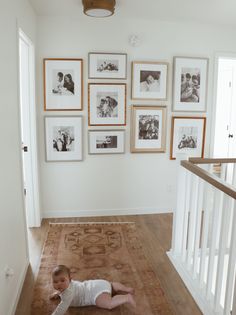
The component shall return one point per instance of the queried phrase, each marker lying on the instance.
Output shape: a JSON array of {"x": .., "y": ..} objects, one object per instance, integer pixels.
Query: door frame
[
  {"x": 218, "y": 55},
  {"x": 34, "y": 217}
]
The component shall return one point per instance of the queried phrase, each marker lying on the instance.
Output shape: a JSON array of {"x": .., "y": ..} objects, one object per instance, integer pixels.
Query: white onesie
[{"x": 81, "y": 294}]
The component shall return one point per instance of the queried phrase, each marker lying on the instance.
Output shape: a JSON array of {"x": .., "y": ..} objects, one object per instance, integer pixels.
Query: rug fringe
[{"x": 92, "y": 223}]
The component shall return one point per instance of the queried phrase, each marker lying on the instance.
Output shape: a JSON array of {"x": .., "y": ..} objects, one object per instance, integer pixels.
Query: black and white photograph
[
  {"x": 107, "y": 104},
  {"x": 106, "y": 141},
  {"x": 190, "y": 84},
  {"x": 107, "y": 65},
  {"x": 187, "y": 136},
  {"x": 63, "y": 84},
  {"x": 63, "y": 138},
  {"x": 148, "y": 129},
  {"x": 149, "y": 80}
]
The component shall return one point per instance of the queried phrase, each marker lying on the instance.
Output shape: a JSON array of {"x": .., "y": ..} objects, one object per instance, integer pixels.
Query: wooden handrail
[
  {"x": 210, "y": 178},
  {"x": 211, "y": 161}
]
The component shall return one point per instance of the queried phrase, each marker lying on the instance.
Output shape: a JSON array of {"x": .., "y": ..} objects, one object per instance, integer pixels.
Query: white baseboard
[
  {"x": 19, "y": 289},
  {"x": 104, "y": 212}
]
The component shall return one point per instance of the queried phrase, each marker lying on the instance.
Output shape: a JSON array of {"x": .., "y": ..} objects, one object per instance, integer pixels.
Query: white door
[
  {"x": 225, "y": 120},
  {"x": 28, "y": 130}
]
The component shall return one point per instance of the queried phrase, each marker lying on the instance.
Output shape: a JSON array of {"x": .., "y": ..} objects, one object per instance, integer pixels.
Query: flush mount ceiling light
[{"x": 99, "y": 8}]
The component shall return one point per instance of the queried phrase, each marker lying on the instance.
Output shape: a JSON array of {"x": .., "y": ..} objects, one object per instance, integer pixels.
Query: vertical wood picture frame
[{"x": 63, "y": 84}]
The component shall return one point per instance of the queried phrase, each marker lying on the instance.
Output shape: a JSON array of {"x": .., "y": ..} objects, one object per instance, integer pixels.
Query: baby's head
[
  {"x": 60, "y": 76},
  {"x": 150, "y": 79},
  {"x": 61, "y": 277}
]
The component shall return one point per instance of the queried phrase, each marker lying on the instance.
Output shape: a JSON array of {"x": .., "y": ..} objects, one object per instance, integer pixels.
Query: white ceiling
[{"x": 204, "y": 11}]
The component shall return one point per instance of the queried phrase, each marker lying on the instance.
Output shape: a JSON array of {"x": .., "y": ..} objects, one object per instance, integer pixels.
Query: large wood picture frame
[
  {"x": 190, "y": 84},
  {"x": 106, "y": 104},
  {"x": 148, "y": 129},
  {"x": 63, "y": 84},
  {"x": 63, "y": 138},
  {"x": 149, "y": 80}
]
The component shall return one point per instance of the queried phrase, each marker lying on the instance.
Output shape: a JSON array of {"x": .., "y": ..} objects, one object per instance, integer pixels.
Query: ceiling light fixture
[{"x": 99, "y": 8}]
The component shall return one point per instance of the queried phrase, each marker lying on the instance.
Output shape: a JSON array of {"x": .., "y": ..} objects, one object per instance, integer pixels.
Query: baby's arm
[{"x": 66, "y": 298}]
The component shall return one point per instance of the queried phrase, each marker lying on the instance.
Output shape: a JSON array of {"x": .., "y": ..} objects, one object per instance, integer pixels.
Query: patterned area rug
[{"x": 110, "y": 251}]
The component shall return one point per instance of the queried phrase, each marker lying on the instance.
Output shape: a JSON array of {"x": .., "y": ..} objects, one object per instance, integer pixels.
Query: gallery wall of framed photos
[
  {"x": 125, "y": 174},
  {"x": 107, "y": 105}
]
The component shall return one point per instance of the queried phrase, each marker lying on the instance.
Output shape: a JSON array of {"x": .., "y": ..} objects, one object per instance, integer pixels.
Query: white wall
[
  {"x": 129, "y": 183},
  {"x": 12, "y": 223}
]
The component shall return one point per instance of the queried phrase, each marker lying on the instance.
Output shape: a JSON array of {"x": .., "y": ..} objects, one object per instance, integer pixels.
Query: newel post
[{"x": 178, "y": 216}]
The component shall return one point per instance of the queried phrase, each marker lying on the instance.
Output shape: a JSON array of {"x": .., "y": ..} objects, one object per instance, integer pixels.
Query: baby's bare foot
[
  {"x": 128, "y": 290},
  {"x": 131, "y": 300},
  {"x": 131, "y": 290}
]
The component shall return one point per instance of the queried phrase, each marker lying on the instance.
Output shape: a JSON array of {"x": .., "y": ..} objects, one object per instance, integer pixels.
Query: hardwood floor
[{"x": 155, "y": 234}]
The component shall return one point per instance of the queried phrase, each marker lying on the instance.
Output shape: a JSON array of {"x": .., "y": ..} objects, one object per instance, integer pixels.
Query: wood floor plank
[{"x": 155, "y": 234}]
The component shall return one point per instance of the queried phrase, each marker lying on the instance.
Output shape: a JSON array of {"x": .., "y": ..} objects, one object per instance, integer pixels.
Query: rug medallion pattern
[{"x": 107, "y": 251}]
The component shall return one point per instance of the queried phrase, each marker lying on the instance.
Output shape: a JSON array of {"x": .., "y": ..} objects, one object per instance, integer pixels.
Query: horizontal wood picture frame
[
  {"x": 106, "y": 141},
  {"x": 107, "y": 65},
  {"x": 63, "y": 84}
]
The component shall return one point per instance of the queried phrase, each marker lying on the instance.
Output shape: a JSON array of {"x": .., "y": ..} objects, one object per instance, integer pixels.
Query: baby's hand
[{"x": 54, "y": 296}]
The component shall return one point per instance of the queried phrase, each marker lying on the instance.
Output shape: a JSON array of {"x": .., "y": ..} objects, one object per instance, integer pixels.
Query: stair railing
[{"x": 204, "y": 233}]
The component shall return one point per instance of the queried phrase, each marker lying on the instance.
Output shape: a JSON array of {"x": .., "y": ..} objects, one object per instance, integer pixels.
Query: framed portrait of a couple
[
  {"x": 190, "y": 84},
  {"x": 63, "y": 138},
  {"x": 148, "y": 129},
  {"x": 187, "y": 136},
  {"x": 107, "y": 66},
  {"x": 106, "y": 104},
  {"x": 106, "y": 141},
  {"x": 63, "y": 84},
  {"x": 149, "y": 80}
]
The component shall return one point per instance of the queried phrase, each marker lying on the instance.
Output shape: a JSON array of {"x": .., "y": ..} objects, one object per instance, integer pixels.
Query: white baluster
[
  {"x": 223, "y": 172},
  {"x": 205, "y": 232},
  {"x": 217, "y": 209},
  {"x": 231, "y": 268},
  {"x": 192, "y": 220},
  {"x": 234, "y": 175},
  {"x": 222, "y": 250},
  {"x": 186, "y": 215},
  {"x": 198, "y": 228}
]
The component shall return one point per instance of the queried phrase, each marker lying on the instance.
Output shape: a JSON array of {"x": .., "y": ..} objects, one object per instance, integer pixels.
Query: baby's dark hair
[
  {"x": 60, "y": 269},
  {"x": 188, "y": 75},
  {"x": 60, "y": 74}
]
